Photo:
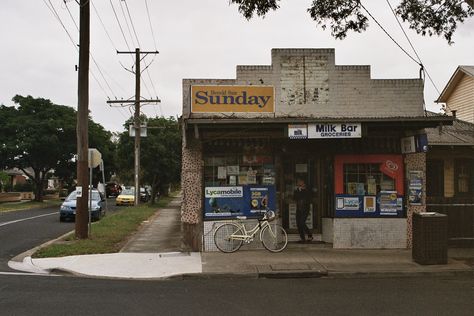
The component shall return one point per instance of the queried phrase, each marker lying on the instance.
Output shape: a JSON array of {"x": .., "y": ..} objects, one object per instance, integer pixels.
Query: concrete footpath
[{"x": 154, "y": 253}]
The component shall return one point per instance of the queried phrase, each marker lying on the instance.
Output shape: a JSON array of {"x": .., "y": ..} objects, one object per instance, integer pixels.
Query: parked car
[
  {"x": 144, "y": 195},
  {"x": 127, "y": 197},
  {"x": 112, "y": 189},
  {"x": 68, "y": 207}
]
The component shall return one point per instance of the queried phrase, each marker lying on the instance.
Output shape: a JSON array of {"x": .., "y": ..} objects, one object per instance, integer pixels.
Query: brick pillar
[
  {"x": 191, "y": 184},
  {"x": 415, "y": 162}
]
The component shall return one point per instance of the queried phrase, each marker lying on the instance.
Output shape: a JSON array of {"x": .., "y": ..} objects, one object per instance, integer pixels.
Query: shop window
[
  {"x": 368, "y": 174},
  {"x": 464, "y": 177},
  {"x": 366, "y": 179},
  {"x": 435, "y": 178},
  {"x": 239, "y": 169}
]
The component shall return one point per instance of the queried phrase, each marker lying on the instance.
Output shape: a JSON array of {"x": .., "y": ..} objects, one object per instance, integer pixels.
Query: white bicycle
[{"x": 229, "y": 237}]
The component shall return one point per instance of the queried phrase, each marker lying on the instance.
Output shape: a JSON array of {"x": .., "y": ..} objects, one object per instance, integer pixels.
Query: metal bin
[{"x": 430, "y": 238}]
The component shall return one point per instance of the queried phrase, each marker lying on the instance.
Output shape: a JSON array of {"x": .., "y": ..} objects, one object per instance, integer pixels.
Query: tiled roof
[{"x": 461, "y": 133}]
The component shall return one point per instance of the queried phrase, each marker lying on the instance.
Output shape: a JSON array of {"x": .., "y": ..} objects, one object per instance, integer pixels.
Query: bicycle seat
[{"x": 241, "y": 217}]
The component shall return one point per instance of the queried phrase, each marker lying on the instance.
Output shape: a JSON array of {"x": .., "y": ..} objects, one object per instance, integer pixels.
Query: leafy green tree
[
  {"x": 160, "y": 154},
  {"x": 39, "y": 137},
  {"x": 426, "y": 17},
  {"x": 3, "y": 180}
]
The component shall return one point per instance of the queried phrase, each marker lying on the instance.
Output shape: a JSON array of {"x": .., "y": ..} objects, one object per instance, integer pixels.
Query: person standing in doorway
[{"x": 302, "y": 197}]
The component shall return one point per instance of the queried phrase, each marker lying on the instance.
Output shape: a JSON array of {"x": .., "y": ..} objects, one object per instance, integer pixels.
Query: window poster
[
  {"x": 243, "y": 180},
  {"x": 352, "y": 188},
  {"x": 252, "y": 179},
  {"x": 371, "y": 186},
  {"x": 232, "y": 180},
  {"x": 415, "y": 187},
  {"x": 268, "y": 180},
  {"x": 233, "y": 170},
  {"x": 369, "y": 204},
  {"x": 251, "y": 176},
  {"x": 301, "y": 168},
  {"x": 360, "y": 190},
  {"x": 347, "y": 203},
  {"x": 231, "y": 201},
  {"x": 221, "y": 173},
  {"x": 388, "y": 203}
]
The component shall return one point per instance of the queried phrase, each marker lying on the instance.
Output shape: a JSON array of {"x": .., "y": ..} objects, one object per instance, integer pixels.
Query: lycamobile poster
[{"x": 231, "y": 201}]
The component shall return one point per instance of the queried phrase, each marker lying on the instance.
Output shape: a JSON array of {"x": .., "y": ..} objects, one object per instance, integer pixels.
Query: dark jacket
[{"x": 302, "y": 198}]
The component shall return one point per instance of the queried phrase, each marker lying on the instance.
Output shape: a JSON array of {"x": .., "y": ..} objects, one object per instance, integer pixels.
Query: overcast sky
[{"x": 196, "y": 39}]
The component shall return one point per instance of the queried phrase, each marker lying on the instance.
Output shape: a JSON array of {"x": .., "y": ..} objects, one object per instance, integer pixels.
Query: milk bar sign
[{"x": 343, "y": 130}]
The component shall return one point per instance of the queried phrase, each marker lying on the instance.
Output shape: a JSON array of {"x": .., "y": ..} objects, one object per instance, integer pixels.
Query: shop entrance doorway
[{"x": 317, "y": 173}]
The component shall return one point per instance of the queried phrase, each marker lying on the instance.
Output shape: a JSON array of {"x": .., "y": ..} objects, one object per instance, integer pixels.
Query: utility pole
[
  {"x": 136, "y": 117},
  {"x": 82, "y": 212}
]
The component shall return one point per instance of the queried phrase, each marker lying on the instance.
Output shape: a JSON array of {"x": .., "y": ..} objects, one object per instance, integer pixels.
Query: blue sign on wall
[
  {"x": 232, "y": 201},
  {"x": 384, "y": 204}
]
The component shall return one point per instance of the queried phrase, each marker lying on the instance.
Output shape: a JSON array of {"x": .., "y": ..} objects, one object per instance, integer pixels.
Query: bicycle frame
[{"x": 250, "y": 234}]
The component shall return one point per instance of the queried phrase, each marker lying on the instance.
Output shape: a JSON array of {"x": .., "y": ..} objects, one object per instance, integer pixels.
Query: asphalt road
[
  {"x": 35, "y": 295},
  {"x": 23, "y": 230}
]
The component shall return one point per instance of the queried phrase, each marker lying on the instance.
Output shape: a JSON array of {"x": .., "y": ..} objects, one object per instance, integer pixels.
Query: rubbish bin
[{"x": 430, "y": 238}]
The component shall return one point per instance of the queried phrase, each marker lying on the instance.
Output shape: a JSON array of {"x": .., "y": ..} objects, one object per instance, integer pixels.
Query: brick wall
[
  {"x": 372, "y": 233},
  {"x": 309, "y": 84},
  {"x": 191, "y": 184},
  {"x": 415, "y": 162}
]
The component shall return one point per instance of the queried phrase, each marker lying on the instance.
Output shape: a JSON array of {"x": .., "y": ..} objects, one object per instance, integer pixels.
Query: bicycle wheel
[
  {"x": 223, "y": 237},
  {"x": 274, "y": 237}
]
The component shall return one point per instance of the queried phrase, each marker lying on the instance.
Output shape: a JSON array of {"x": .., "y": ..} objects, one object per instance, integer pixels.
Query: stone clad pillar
[
  {"x": 414, "y": 162},
  {"x": 191, "y": 185}
]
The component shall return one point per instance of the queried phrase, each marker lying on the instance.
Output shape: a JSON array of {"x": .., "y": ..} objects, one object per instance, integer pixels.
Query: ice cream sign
[
  {"x": 343, "y": 130},
  {"x": 235, "y": 99}
]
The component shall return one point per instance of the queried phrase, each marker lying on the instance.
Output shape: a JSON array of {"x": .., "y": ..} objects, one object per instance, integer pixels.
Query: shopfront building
[{"x": 246, "y": 141}]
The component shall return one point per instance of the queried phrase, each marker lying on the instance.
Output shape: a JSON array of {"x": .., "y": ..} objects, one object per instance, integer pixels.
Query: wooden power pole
[
  {"x": 82, "y": 213},
  {"x": 136, "y": 117}
]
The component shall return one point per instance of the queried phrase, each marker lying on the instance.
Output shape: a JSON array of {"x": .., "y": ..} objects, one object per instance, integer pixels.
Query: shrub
[{"x": 23, "y": 187}]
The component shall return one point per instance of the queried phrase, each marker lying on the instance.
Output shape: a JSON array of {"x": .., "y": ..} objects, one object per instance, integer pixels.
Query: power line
[
  {"x": 383, "y": 29},
  {"x": 58, "y": 18},
  {"x": 120, "y": 26},
  {"x": 90, "y": 53},
  {"x": 126, "y": 23},
  {"x": 136, "y": 37},
  {"x": 413, "y": 47},
  {"x": 131, "y": 22},
  {"x": 151, "y": 26},
  {"x": 154, "y": 43},
  {"x": 103, "y": 26},
  {"x": 138, "y": 41},
  {"x": 110, "y": 40}
]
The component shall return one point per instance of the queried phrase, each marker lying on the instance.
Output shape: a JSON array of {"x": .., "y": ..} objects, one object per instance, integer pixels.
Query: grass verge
[
  {"x": 20, "y": 206},
  {"x": 108, "y": 235}
]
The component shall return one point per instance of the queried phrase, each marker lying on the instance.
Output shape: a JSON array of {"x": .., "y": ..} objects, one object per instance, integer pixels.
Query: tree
[
  {"x": 426, "y": 17},
  {"x": 160, "y": 154},
  {"x": 39, "y": 137}
]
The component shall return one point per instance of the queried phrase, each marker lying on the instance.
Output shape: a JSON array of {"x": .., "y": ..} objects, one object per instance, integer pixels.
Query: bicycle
[{"x": 229, "y": 237}]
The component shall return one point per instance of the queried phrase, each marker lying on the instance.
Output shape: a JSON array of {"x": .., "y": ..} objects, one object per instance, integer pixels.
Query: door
[{"x": 308, "y": 169}]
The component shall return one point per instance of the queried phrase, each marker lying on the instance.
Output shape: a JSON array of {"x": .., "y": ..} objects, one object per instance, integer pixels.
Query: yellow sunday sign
[{"x": 217, "y": 99}]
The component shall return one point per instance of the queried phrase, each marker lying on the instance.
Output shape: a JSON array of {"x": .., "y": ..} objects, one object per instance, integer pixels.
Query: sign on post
[{"x": 95, "y": 157}]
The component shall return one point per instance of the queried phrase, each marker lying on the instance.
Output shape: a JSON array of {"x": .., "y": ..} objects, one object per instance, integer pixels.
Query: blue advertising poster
[
  {"x": 260, "y": 198},
  {"x": 224, "y": 201},
  {"x": 385, "y": 204},
  {"x": 232, "y": 201}
]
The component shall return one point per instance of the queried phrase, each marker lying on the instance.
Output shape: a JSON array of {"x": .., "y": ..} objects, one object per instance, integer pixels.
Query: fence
[{"x": 460, "y": 213}]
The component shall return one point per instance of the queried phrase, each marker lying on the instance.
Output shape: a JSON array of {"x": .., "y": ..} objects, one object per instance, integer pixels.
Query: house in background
[
  {"x": 16, "y": 176},
  {"x": 450, "y": 160},
  {"x": 458, "y": 95}
]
